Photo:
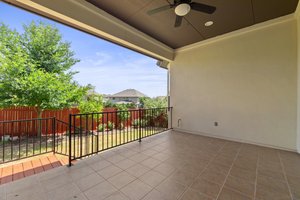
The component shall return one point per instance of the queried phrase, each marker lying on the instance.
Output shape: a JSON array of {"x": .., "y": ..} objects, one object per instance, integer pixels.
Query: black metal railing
[
  {"x": 91, "y": 133},
  {"x": 25, "y": 138},
  {"x": 61, "y": 139},
  {"x": 83, "y": 135}
]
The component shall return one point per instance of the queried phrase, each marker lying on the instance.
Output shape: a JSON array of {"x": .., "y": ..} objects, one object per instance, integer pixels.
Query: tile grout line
[
  {"x": 138, "y": 178},
  {"x": 284, "y": 174},
  {"x": 105, "y": 180},
  {"x": 229, "y": 171},
  {"x": 118, "y": 190},
  {"x": 211, "y": 160}
]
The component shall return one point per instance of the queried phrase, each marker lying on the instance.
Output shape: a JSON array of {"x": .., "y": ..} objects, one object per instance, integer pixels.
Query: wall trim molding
[
  {"x": 234, "y": 139},
  {"x": 249, "y": 29}
]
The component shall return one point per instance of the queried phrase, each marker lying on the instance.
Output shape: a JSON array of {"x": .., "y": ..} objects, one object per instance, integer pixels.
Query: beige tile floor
[{"x": 169, "y": 166}]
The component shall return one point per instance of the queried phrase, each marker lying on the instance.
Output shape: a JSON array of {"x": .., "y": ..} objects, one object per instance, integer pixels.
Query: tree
[
  {"x": 142, "y": 101},
  {"x": 108, "y": 104},
  {"x": 158, "y": 102},
  {"x": 123, "y": 114},
  {"x": 35, "y": 71},
  {"x": 45, "y": 48},
  {"x": 48, "y": 91},
  {"x": 92, "y": 103},
  {"x": 157, "y": 116}
]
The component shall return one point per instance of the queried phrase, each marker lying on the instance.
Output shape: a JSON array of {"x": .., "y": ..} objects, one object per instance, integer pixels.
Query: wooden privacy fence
[
  {"x": 19, "y": 128},
  {"x": 19, "y": 113}
]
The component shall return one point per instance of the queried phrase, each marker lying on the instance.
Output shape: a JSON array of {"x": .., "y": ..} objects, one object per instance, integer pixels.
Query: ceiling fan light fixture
[{"x": 182, "y": 9}]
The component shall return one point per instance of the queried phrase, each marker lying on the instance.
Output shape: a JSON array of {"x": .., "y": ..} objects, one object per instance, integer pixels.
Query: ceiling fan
[{"x": 182, "y": 8}]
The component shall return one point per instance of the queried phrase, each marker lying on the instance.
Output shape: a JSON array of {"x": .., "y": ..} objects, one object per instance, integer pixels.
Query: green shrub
[
  {"x": 101, "y": 127},
  {"x": 110, "y": 125},
  {"x": 137, "y": 122},
  {"x": 123, "y": 113}
]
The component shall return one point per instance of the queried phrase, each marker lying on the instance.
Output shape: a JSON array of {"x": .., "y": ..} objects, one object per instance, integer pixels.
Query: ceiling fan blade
[
  {"x": 203, "y": 7},
  {"x": 178, "y": 21},
  {"x": 160, "y": 9}
]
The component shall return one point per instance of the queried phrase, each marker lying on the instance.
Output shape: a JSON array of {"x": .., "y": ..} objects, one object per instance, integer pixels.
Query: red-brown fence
[
  {"x": 30, "y": 127},
  {"x": 19, "y": 113}
]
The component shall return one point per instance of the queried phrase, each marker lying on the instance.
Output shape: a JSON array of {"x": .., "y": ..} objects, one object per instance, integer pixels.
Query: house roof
[{"x": 129, "y": 93}]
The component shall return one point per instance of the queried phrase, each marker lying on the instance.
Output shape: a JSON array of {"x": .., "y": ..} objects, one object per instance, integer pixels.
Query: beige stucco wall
[{"x": 245, "y": 81}]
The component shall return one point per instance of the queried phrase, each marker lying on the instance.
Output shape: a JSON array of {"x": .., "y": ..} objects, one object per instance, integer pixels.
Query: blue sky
[{"x": 107, "y": 66}]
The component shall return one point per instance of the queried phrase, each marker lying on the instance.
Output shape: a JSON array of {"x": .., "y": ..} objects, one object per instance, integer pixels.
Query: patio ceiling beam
[{"x": 83, "y": 16}]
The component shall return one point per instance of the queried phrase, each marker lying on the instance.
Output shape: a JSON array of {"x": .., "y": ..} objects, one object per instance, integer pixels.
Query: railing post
[
  {"x": 70, "y": 140},
  {"x": 171, "y": 119},
  {"x": 53, "y": 133},
  {"x": 140, "y": 125}
]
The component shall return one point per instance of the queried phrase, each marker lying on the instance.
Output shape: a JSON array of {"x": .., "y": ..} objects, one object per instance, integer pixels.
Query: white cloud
[
  {"x": 111, "y": 74},
  {"x": 96, "y": 60}
]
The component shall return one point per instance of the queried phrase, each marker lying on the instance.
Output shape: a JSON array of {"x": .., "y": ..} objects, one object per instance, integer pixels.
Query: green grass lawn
[{"x": 81, "y": 144}]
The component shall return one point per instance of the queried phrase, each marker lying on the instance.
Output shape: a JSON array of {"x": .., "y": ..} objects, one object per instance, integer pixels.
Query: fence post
[
  {"x": 54, "y": 133},
  {"x": 140, "y": 125},
  {"x": 70, "y": 140}
]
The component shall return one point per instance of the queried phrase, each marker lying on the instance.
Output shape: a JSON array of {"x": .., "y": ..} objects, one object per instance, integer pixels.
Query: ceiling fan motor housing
[{"x": 182, "y": 9}]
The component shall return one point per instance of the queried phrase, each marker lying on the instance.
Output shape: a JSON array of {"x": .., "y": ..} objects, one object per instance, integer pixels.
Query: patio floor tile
[{"x": 174, "y": 166}]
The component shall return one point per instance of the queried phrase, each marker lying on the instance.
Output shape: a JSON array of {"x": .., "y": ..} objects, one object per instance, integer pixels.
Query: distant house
[
  {"x": 126, "y": 96},
  {"x": 106, "y": 97}
]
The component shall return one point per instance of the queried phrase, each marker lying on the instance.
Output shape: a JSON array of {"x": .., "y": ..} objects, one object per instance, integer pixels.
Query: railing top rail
[
  {"x": 63, "y": 122},
  {"x": 66, "y": 123},
  {"x": 26, "y": 120},
  {"x": 118, "y": 111}
]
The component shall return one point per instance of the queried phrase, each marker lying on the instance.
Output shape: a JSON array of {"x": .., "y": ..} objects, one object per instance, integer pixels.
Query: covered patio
[
  {"x": 171, "y": 165},
  {"x": 234, "y": 88}
]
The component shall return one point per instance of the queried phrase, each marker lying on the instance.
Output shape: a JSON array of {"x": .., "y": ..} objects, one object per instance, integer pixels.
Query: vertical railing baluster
[
  {"x": 87, "y": 133},
  {"x": 53, "y": 134},
  {"x": 46, "y": 142},
  {"x": 3, "y": 141},
  {"x": 27, "y": 136},
  {"x": 153, "y": 125},
  {"x": 140, "y": 124},
  {"x": 92, "y": 150},
  {"x": 117, "y": 126},
  {"x": 60, "y": 135},
  {"x": 11, "y": 142},
  {"x": 76, "y": 152},
  {"x": 130, "y": 124},
  {"x": 171, "y": 118},
  {"x": 20, "y": 142},
  {"x": 80, "y": 122},
  {"x": 107, "y": 130},
  {"x": 70, "y": 140},
  {"x": 103, "y": 130},
  {"x": 123, "y": 127},
  {"x": 33, "y": 138},
  {"x": 40, "y": 127},
  {"x": 97, "y": 128}
]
